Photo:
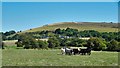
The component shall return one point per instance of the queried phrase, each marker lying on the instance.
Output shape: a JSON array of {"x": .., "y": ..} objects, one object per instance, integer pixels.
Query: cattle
[
  {"x": 76, "y": 50},
  {"x": 63, "y": 51},
  {"x": 85, "y": 51},
  {"x": 81, "y": 50},
  {"x": 66, "y": 51}
]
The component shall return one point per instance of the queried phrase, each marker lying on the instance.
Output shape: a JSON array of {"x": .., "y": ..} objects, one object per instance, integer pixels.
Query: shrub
[
  {"x": 19, "y": 44},
  {"x": 26, "y": 40},
  {"x": 34, "y": 44},
  {"x": 112, "y": 45},
  {"x": 42, "y": 44},
  {"x": 97, "y": 44},
  {"x": 53, "y": 42}
]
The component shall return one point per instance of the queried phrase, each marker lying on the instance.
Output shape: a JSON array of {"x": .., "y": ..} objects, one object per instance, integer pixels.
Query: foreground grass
[{"x": 21, "y": 57}]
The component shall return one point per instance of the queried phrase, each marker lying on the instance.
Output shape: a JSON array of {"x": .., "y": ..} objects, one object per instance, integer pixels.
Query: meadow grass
[
  {"x": 53, "y": 57},
  {"x": 10, "y": 42}
]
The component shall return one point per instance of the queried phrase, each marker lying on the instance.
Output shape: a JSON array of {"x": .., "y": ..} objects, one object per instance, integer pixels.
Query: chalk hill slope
[{"x": 101, "y": 27}]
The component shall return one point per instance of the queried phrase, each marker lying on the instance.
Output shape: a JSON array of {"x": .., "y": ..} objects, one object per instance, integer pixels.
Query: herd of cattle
[{"x": 76, "y": 50}]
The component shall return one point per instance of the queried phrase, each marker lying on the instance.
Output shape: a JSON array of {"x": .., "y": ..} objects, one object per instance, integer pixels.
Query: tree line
[
  {"x": 68, "y": 32},
  {"x": 97, "y": 44},
  {"x": 109, "y": 41}
]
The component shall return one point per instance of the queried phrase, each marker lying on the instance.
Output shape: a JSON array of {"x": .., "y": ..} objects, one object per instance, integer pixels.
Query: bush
[
  {"x": 53, "y": 42},
  {"x": 19, "y": 44},
  {"x": 34, "y": 44},
  {"x": 97, "y": 44},
  {"x": 26, "y": 40},
  {"x": 76, "y": 42},
  {"x": 113, "y": 45},
  {"x": 118, "y": 47},
  {"x": 42, "y": 44}
]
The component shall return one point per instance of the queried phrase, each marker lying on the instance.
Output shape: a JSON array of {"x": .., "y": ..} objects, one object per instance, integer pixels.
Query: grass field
[
  {"x": 21, "y": 57},
  {"x": 10, "y": 42}
]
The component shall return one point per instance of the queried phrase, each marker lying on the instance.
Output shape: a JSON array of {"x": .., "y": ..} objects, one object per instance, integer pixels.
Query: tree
[
  {"x": 97, "y": 44},
  {"x": 118, "y": 47},
  {"x": 9, "y": 32},
  {"x": 76, "y": 42},
  {"x": 51, "y": 34},
  {"x": 42, "y": 44},
  {"x": 112, "y": 45},
  {"x": 19, "y": 44},
  {"x": 53, "y": 42},
  {"x": 66, "y": 42},
  {"x": 26, "y": 40},
  {"x": 58, "y": 31},
  {"x": 71, "y": 32},
  {"x": 34, "y": 43}
]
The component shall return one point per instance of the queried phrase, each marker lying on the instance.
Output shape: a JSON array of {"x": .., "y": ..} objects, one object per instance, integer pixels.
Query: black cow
[
  {"x": 75, "y": 51},
  {"x": 84, "y": 51}
]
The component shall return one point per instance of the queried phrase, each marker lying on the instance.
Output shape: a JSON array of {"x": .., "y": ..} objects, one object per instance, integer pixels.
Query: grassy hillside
[{"x": 101, "y": 27}]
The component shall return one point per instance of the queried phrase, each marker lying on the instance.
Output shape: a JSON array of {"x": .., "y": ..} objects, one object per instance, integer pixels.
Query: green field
[
  {"x": 21, "y": 57},
  {"x": 52, "y": 57},
  {"x": 101, "y": 27}
]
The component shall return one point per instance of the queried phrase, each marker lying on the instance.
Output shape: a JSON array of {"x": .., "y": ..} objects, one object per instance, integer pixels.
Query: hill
[{"x": 101, "y": 27}]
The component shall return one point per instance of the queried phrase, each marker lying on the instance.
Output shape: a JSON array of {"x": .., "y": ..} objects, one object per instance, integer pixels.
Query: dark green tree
[
  {"x": 53, "y": 42},
  {"x": 34, "y": 43},
  {"x": 76, "y": 42},
  {"x": 42, "y": 44},
  {"x": 9, "y": 33},
  {"x": 97, "y": 44},
  {"x": 58, "y": 31},
  {"x": 26, "y": 40},
  {"x": 112, "y": 45},
  {"x": 19, "y": 44}
]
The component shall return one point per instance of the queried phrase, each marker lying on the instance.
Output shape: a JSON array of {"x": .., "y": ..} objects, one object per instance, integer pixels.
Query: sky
[
  {"x": 60, "y": 0},
  {"x": 25, "y": 15}
]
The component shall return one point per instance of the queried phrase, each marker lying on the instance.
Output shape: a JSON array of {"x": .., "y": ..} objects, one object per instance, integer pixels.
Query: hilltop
[{"x": 101, "y": 27}]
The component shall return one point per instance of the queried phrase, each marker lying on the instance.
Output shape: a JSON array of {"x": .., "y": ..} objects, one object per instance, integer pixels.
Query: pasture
[{"x": 53, "y": 57}]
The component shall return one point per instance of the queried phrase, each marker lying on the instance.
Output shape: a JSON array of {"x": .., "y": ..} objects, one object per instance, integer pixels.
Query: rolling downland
[{"x": 81, "y": 26}]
